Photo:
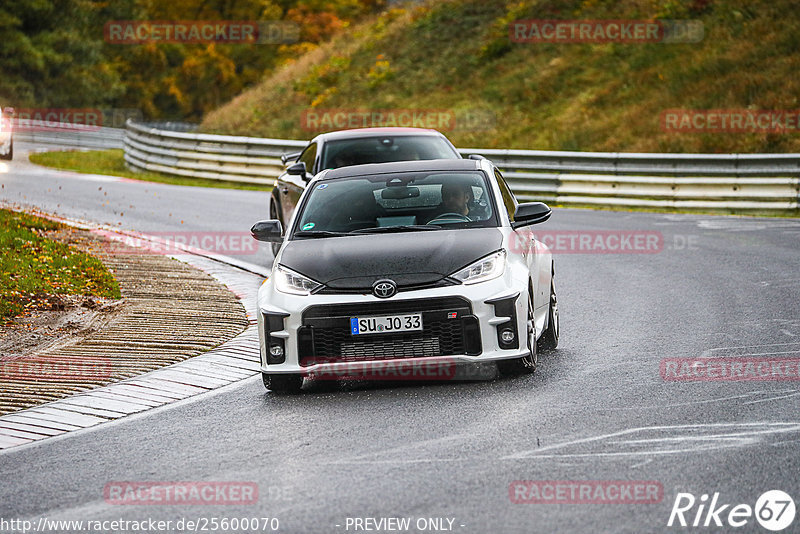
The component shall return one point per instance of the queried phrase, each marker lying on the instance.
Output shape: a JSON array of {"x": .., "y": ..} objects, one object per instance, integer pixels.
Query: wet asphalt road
[
  {"x": 169, "y": 211},
  {"x": 597, "y": 408}
]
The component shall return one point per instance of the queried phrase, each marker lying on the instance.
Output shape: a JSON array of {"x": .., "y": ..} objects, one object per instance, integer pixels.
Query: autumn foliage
[{"x": 54, "y": 53}]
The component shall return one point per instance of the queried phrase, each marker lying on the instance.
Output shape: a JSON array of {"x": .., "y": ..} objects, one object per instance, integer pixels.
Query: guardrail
[
  {"x": 677, "y": 181},
  {"x": 71, "y": 135},
  {"x": 217, "y": 157}
]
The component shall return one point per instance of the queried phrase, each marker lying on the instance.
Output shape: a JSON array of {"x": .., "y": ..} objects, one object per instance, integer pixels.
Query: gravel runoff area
[{"x": 169, "y": 312}]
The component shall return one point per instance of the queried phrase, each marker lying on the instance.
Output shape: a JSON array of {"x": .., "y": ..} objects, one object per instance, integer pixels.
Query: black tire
[
  {"x": 10, "y": 154},
  {"x": 549, "y": 338},
  {"x": 526, "y": 364},
  {"x": 275, "y": 213},
  {"x": 283, "y": 384}
]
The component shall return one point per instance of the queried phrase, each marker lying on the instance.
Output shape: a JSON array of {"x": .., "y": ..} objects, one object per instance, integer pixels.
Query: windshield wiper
[
  {"x": 318, "y": 233},
  {"x": 400, "y": 228}
]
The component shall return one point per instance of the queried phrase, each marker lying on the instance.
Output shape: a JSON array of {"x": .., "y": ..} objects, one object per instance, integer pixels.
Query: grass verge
[
  {"x": 112, "y": 163},
  {"x": 35, "y": 269},
  {"x": 456, "y": 56}
]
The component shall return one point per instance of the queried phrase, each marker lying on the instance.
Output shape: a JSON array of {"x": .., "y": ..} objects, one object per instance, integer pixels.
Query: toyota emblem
[{"x": 383, "y": 289}]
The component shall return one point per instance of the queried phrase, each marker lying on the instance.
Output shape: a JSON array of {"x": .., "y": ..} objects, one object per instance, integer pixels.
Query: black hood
[{"x": 408, "y": 258}]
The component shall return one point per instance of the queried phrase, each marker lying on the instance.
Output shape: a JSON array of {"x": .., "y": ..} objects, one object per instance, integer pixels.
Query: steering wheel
[{"x": 460, "y": 216}]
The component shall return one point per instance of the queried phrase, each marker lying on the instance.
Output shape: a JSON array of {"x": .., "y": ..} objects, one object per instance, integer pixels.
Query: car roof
[
  {"x": 402, "y": 166},
  {"x": 361, "y": 133}
]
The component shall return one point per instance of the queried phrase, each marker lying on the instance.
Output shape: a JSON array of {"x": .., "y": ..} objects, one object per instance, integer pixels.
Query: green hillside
[{"x": 457, "y": 56}]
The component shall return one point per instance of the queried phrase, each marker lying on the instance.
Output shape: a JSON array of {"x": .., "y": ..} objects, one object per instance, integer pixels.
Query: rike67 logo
[{"x": 774, "y": 510}]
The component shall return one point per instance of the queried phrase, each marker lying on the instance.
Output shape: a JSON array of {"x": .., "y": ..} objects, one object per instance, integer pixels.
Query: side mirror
[
  {"x": 269, "y": 231},
  {"x": 531, "y": 213},
  {"x": 298, "y": 169},
  {"x": 292, "y": 156}
]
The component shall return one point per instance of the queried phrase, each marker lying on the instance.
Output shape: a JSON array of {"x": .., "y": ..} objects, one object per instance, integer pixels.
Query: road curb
[{"x": 232, "y": 361}]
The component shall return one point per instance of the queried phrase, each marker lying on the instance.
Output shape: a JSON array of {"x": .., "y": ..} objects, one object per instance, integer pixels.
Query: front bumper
[{"x": 461, "y": 324}]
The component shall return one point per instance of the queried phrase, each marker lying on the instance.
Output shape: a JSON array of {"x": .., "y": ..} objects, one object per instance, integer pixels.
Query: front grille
[
  {"x": 367, "y": 290},
  {"x": 383, "y": 348},
  {"x": 386, "y": 307},
  {"x": 325, "y": 334}
]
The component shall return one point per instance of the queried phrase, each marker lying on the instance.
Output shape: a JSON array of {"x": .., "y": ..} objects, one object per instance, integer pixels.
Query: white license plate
[{"x": 385, "y": 324}]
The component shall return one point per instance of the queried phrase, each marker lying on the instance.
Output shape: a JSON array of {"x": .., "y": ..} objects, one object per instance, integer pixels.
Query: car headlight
[
  {"x": 288, "y": 281},
  {"x": 487, "y": 268}
]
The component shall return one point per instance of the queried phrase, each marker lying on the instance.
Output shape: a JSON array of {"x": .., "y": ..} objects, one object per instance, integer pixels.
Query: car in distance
[
  {"x": 352, "y": 147},
  {"x": 6, "y": 134},
  {"x": 406, "y": 263}
]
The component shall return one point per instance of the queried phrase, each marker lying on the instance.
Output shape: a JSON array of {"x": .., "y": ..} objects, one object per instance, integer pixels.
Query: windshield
[
  {"x": 397, "y": 202},
  {"x": 346, "y": 152}
]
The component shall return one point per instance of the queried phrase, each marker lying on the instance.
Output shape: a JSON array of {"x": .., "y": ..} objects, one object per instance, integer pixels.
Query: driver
[{"x": 456, "y": 198}]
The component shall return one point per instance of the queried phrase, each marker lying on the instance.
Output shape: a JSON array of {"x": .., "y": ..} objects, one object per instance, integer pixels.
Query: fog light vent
[
  {"x": 506, "y": 331},
  {"x": 273, "y": 322},
  {"x": 507, "y": 335}
]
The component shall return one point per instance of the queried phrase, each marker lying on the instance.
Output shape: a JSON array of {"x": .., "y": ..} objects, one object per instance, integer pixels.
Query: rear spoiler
[{"x": 292, "y": 156}]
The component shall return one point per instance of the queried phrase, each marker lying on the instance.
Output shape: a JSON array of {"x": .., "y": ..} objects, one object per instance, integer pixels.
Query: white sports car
[{"x": 406, "y": 263}]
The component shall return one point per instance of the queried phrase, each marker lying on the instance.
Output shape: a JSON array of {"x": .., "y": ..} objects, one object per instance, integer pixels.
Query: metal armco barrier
[
  {"x": 217, "y": 157},
  {"x": 678, "y": 181},
  {"x": 68, "y": 135}
]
